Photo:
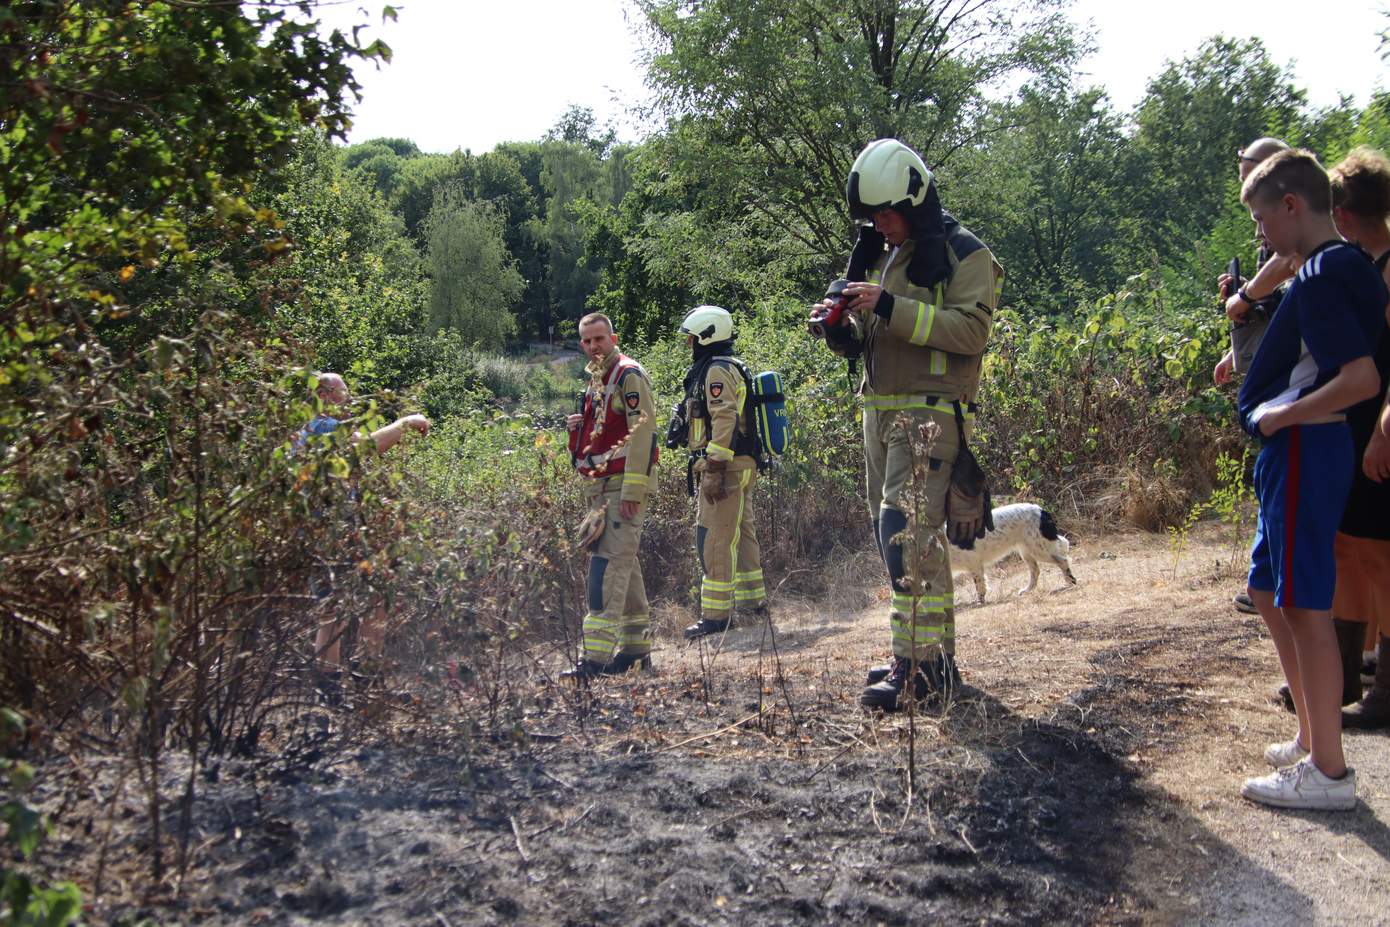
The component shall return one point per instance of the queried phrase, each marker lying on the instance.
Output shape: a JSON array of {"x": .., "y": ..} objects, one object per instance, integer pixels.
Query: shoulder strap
[{"x": 1381, "y": 261}]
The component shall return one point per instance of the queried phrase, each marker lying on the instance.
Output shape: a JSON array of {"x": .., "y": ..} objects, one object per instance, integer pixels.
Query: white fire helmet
[
  {"x": 708, "y": 324},
  {"x": 887, "y": 174}
]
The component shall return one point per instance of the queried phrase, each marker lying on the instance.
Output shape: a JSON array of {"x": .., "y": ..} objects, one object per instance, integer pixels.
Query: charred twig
[
  {"x": 691, "y": 740},
  {"x": 516, "y": 832}
]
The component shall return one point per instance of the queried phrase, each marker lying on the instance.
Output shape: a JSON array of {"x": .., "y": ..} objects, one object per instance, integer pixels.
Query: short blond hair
[
  {"x": 1296, "y": 171},
  {"x": 597, "y": 317}
]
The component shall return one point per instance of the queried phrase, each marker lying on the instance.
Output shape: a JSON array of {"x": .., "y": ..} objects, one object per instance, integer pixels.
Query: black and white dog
[{"x": 1023, "y": 527}]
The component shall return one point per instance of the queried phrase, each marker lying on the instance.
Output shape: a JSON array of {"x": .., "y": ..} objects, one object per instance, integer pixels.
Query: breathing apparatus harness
[{"x": 693, "y": 387}]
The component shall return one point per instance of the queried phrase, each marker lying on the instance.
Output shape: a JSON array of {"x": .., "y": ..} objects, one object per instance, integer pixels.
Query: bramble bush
[{"x": 1112, "y": 414}]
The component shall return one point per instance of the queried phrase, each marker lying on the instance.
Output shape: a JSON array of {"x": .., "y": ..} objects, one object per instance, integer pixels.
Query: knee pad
[
  {"x": 890, "y": 523},
  {"x": 597, "y": 567}
]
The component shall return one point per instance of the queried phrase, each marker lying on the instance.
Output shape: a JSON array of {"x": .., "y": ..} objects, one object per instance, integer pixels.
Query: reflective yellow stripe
[
  {"x": 716, "y": 585},
  {"x": 637, "y": 479},
  {"x": 924, "y": 604},
  {"x": 903, "y": 401},
  {"x": 717, "y": 452},
  {"x": 926, "y": 316},
  {"x": 938, "y": 363}
]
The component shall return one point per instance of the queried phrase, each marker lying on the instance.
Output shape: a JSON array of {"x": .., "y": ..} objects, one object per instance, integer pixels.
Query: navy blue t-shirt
[{"x": 1332, "y": 314}]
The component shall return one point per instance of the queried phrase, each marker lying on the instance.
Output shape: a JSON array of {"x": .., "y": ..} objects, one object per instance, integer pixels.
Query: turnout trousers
[
  {"x": 906, "y": 480},
  {"x": 727, "y": 544},
  {"x": 618, "y": 619}
]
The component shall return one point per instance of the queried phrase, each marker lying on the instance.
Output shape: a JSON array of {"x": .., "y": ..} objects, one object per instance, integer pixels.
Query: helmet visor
[{"x": 860, "y": 211}]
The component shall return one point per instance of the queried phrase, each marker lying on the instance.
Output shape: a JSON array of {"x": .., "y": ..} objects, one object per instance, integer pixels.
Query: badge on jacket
[
  {"x": 715, "y": 389},
  {"x": 633, "y": 400}
]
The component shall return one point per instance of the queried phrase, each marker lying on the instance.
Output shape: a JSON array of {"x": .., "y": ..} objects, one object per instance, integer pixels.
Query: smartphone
[{"x": 1233, "y": 269}]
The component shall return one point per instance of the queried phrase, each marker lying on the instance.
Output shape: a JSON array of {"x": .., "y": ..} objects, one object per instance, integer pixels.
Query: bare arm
[
  {"x": 389, "y": 436},
  {"x": 1375, "y": 463},
  {"x": 1274, "y": 272},
  {"x": 1357, "y": 380},
  {"x": 1224, "y": 368}
]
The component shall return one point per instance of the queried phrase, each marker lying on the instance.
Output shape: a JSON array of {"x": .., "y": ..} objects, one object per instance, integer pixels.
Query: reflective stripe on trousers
[
  {"x": 619, "y": 618},
  {"x": 729, "y": 548}
]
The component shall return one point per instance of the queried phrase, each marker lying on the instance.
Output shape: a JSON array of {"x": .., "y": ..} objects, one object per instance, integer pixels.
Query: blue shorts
[{"x": 1302, "y": 479}]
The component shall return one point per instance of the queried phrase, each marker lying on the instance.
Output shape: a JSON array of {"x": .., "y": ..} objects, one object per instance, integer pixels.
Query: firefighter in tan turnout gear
[
  {"x": 722, "y": 446},
  {"x": 919, "y": 307},
  {"x": 613, "y": 443}
]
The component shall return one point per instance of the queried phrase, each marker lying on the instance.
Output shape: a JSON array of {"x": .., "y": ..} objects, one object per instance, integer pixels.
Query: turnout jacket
[
  {"x": 932, "y": 342},
  {"x": 724, "y": 395},
  {"x": 617, "y": 437}
]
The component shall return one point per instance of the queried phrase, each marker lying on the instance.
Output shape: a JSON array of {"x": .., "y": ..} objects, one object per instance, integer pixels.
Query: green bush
[
  {"x": 1111, "y": 412},
  {"x": 24, "y": 900}
]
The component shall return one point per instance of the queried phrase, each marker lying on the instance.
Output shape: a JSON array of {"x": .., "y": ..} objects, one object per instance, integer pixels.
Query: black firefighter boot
[
  {"x": 623, "y": 662},
  {"x": 584, "y": 671},
  {"x": 1350, "y": 637},
  {"x": 1373, "y": 711},
  {"x": 706, "y": 626},
  {"x": 935, "y": 678},
  {"x": 878, "y": 673}
]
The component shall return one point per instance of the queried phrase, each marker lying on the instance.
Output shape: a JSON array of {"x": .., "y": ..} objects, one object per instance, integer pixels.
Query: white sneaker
[
  {"x": 1284, "y": 754},
  {"x": 1302, "y": 785}
]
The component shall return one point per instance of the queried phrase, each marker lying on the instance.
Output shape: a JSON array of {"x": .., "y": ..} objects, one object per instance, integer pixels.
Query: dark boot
[
  {"x": 1285, "y": 697},
  {"x": 935, "y": 679},
  {"x": 585, "y": 670},
  {"x": 1373, "y": 711},
  {"x": 623, "y": 662},
  {"x": 878, "y": 673},
  {"x": 1351, "y": 636},
  {"x": 329, "y": 685},
  {"x": 706, "y": 626}
]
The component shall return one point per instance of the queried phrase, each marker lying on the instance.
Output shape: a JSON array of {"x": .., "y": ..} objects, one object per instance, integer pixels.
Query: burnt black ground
[
  {"x": 1039, "y": 798},
  {"x": 1015, "y": 821}
]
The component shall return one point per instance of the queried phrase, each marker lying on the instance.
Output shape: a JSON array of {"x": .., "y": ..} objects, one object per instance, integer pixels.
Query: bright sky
[{"x": 470, "y": 74}]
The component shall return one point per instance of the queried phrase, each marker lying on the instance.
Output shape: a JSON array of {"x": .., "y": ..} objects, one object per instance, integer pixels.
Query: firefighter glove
[
  {"x": 712, "y": 481},
  {"x": 968, "y": 513}
]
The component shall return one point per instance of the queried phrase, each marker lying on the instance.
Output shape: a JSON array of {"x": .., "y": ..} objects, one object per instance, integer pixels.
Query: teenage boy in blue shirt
[{"x": 1314, "y": 362}]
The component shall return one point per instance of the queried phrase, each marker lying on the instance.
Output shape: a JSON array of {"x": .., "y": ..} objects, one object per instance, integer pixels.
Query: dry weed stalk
[{"x": 915, "y": 502}]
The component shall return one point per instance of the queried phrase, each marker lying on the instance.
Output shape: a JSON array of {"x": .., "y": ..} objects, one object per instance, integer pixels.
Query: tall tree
[
  {"x": 786, "y": 92},
  {"x": 474, "y": 282},
  {"x": 572, "y": 175},
  {"x": 1049, "y": 197},
  {"x": 1194, "y": 117}
]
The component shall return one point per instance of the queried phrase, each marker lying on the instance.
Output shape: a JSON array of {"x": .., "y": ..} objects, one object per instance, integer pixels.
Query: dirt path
[
  {"x": 1148, "y": 657},
  {"x": 1088, "y": 775}
]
